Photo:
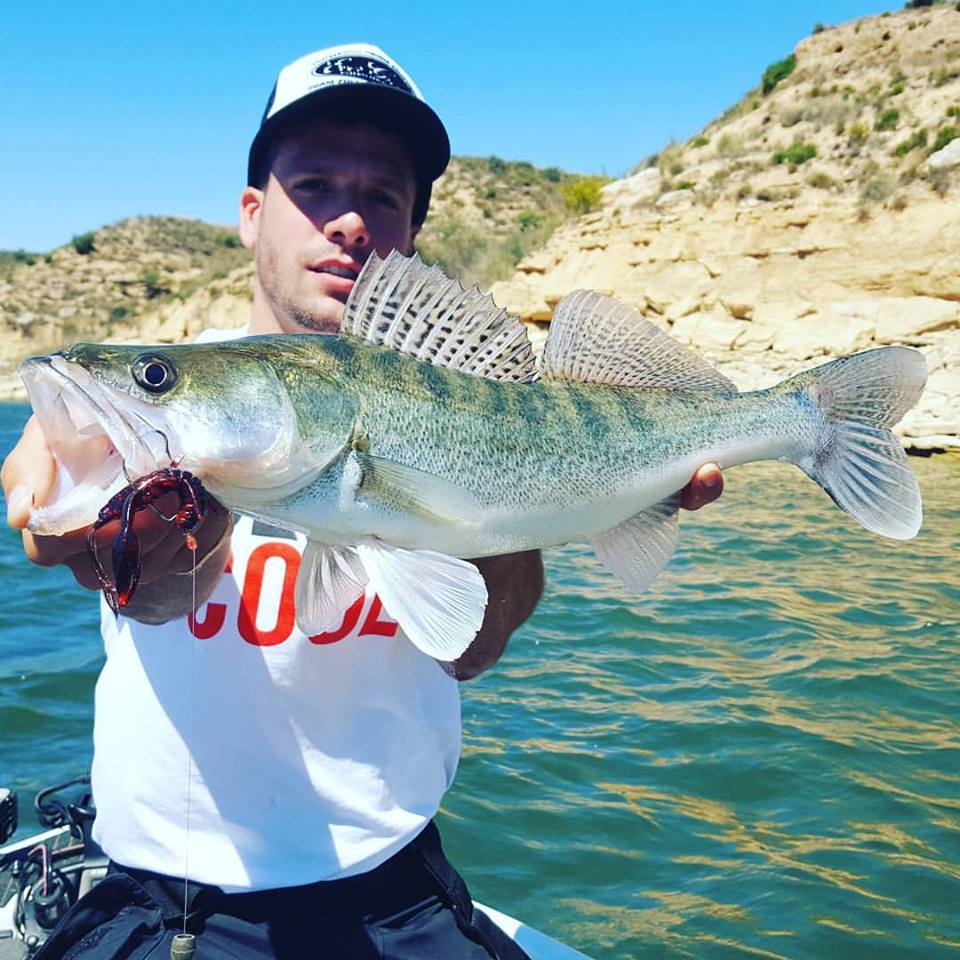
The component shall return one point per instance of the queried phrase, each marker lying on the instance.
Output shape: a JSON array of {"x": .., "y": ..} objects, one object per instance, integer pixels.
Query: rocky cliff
[{"x": 814, "y": 219}]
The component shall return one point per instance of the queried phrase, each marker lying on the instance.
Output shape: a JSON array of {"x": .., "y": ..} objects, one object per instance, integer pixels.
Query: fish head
[{"x": 112, "y": 413}]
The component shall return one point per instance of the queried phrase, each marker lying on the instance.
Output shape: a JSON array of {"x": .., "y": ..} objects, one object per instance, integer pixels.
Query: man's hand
[
  {"x": 705, "y": 487},
  {"x": 27, "y": 477}
]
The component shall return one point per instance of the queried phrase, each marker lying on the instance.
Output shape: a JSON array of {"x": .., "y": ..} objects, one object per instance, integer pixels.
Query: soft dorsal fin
[
  {"x": 403, "y": 304},
  {"x": 594, "y": 338}
]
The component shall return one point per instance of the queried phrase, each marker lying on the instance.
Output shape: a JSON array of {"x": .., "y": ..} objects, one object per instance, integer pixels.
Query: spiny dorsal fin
[
  {"x": 403, "y": 304},
  {"x": 595, "y": 339}
]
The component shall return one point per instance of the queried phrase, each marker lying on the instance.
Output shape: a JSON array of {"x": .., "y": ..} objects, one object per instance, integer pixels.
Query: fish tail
[{"x": 851, "y": 451}]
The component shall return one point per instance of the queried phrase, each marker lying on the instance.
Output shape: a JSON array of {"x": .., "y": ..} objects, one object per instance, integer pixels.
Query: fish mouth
[{"x": 98, "y": 448}]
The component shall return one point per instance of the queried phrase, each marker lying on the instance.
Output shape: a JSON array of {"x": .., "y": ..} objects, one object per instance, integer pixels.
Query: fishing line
[{"x": 184, "y": 944}]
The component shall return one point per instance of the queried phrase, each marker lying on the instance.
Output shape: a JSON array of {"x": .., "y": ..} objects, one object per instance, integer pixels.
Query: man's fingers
[
  {"x": 705, "y": 487},
  {"x": 173, "y": 555},
  {"x": 27, "y": 475}
]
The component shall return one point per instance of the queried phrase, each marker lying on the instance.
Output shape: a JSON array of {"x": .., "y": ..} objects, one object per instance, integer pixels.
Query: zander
[{"x": 425, "y": 432}]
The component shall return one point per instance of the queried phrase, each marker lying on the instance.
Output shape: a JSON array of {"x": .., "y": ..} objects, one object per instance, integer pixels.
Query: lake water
[{"x": 760, "y": 757}]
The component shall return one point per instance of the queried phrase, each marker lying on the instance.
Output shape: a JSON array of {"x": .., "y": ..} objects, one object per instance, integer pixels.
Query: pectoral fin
[
  {"x": 639, "y": 548},
  {"x": 415, "y": 491},
  {"x": 439, "y": 601},
  {"x": 330, "y": 579}
]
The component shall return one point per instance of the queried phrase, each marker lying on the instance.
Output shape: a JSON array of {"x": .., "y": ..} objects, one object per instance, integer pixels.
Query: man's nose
[{"x": 348, "y": 229}]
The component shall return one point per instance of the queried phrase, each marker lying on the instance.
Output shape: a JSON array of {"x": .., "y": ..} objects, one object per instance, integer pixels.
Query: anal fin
[{"x": 639, "y": 548}]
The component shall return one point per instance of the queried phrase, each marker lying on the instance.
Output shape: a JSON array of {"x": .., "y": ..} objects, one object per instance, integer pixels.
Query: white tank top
[{"x": 310, "y": 758}]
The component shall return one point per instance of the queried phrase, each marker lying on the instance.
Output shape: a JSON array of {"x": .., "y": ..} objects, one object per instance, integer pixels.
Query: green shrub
[
  {"x": 151, "y": 280},
  {"x": 896, "y": 88},
  {"x": 820, "y": 180},
  {"x": 528, "y": 219},
  {"x": 877, "y": 188},
  {"x": 230, "y": 240},
  {"x": 83, "y": 242},
  {"x": 685, "y": 185},
  {"x": 497, "y": 166},
  {"x": 919, "y": 139},
  {"x": 118, "y": 313},
  {"x": 887, "y": 120},
  {"x": 21, "y": 256},
  {"x": 490, "y": 193},
  {"x": 553, "y": 174},
  {"x": 953, "y": 111},
  {"x": 819, "y": 27},
  {"x": 778, "y": 71},
  {"x": 582, "y": 194},
  {"x": 944, "y": 136},
  {"x": 857, "y": 134},
  {"x": 939, "y": 181},
  {"x": 917, "y": 4},
  {"x": 797, "y": 153},
  {"x": 729, "y": 146},
  {"x": 700, "y": 141}
]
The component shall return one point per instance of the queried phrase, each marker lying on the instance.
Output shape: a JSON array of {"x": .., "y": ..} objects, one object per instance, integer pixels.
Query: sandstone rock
[
  {"x": 756, "y": 337},
  {"x": 946, "y": 157},
  {"x": 639, "y": 189},
  {"x": 682, "y": 307},
  {"x": 538, "y": 262},
  {"x": 741, "y": 309},
  {"x": 901, "y": 318},
  {"x": 675, "y": 198},
  {"x": 715, "y": 330}
]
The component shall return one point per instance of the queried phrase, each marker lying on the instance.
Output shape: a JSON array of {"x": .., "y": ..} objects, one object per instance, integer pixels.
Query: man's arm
[
  {"x": 166, "y": 584},
  {"x": 515, "y": 585}
]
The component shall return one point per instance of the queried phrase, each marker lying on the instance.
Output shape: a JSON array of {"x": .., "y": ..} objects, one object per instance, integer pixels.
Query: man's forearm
[{"x": 514, "y": 587}]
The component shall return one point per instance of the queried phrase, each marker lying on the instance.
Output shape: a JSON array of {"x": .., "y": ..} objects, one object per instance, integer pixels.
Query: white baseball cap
[{"x": 358, "y": 80}]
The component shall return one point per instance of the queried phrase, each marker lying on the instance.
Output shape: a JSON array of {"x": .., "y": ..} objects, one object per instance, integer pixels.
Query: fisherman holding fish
[{"x": 292, "y": 776}]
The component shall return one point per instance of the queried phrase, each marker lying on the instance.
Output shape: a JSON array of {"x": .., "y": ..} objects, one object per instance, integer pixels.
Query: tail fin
[{"x": 854, "y": 456}]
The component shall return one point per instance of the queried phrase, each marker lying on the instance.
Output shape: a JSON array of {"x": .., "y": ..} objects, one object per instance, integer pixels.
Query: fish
[{"x": 426, "y": 432}]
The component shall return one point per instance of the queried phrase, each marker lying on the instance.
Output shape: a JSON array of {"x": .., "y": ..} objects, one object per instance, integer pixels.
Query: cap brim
[{"x": 412, "y": 120}]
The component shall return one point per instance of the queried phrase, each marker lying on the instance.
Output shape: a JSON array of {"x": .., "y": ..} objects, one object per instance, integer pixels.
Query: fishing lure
[{"x": 123, "y": 506}]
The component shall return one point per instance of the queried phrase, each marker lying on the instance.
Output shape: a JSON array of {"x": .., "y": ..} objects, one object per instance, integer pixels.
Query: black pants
[{"x": 415, "y": 906}]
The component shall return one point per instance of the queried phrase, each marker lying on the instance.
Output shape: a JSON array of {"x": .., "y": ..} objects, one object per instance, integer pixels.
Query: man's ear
[
  {"x": 414, "y": 230},
  {"x": 251, "y": 203}
]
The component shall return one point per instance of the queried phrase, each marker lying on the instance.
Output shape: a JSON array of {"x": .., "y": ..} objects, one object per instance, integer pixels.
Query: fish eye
[{"x": 154, "y": 372}]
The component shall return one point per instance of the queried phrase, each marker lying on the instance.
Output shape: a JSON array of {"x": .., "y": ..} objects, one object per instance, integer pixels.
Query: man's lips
[{"x": 338, "y": 277}]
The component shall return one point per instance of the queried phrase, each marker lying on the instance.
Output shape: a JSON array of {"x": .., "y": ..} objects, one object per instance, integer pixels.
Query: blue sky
[{"x": 114, "y": 110}]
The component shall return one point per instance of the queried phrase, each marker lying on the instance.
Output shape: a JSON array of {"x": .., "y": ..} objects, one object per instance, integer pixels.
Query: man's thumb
[{"x": 28, "y": 474}]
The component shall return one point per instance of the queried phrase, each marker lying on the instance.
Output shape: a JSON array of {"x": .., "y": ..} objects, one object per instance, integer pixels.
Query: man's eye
[
  {"x": 313, "y": 185},
  {"x": 386, "y": 199}
]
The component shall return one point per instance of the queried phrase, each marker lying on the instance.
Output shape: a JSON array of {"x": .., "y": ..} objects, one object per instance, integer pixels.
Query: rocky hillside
[
  {"x": 818, "y": 216},
  {"x": 159, "y": 278},
  {"x": 163, "y": 279}
]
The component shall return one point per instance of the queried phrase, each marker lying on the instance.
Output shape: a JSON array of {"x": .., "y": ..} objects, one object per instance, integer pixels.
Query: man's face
[{"x": 336, "y": 192}]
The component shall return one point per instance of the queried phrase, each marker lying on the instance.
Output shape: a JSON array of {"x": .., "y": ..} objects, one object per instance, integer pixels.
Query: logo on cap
[{"x": 364, "y": 69}]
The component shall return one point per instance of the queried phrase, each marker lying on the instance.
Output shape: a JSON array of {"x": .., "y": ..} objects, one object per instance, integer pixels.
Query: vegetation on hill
[
  {"x": 856, "y": 111},
  {"x": 120, "y": 280},
  {"x": 112, "y": 276},
  {"x": 487, "y": 214}
]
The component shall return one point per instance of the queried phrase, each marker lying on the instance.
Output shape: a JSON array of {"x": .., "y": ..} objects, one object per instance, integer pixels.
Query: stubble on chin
[{"x": 285, "y": 304}]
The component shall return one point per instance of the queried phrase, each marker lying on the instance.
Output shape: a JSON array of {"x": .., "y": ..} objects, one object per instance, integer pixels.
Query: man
[{"x": 293, "y": 779}]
